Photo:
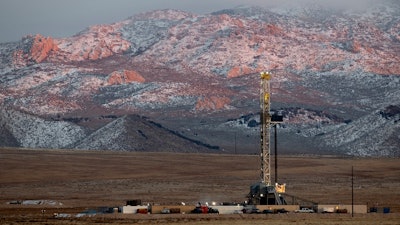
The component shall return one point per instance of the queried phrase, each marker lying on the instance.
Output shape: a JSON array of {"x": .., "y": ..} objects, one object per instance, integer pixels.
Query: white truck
[{"x": 304, "y": 210}]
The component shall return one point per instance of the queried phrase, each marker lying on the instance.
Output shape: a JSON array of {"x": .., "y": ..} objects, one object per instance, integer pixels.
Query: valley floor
[{"x": 67, "y": 181}]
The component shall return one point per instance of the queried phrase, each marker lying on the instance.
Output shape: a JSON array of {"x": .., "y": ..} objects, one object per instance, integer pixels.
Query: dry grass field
[{"x": 73, "y": 181}]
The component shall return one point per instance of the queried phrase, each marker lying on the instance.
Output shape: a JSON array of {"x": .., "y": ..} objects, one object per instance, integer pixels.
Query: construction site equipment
[
  {"x": 263, "y": 192},
  {"x": 204, "y": 209}
]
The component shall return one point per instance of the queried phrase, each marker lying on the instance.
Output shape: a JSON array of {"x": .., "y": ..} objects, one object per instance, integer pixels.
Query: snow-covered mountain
[{"x": 335, "y": 75}]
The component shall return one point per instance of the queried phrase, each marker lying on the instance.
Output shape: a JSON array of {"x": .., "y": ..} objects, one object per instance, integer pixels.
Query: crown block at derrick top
[{"x": 265, "y": 75}]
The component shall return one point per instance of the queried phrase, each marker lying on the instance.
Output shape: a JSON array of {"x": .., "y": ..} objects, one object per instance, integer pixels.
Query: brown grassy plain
[{"x": 79, "y": 180}]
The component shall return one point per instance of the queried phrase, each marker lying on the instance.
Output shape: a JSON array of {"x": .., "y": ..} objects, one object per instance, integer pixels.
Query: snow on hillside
[
  {"x": 34, "y": 132},
  {"x": 368, "y": 136},
  {"x": 334, "y": 71}
]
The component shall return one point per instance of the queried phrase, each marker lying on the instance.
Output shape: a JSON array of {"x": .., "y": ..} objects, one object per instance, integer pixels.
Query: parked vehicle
[
  {"x": 198, "y": 210},
  {"x": 251, "y": 210},
  {"x": 165, "y": 211},
  {"x": 238, "y": 212},
  {"x": 204, "y": 209},
  {"x": 328, "y": 210},
  {"x": 304, "y": 210},
  {"x": 255, "y": 211},
  {"x": 281, "y": 211},
  {"x": 142, "y": 211},
  {"x": 211, "y": 210},
  {"x": 268, "y": 211}
]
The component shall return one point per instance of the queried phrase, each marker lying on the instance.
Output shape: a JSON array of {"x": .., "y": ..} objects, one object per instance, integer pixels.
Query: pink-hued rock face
[
  {"x": 124, "y": 76},
  {"x": 239, "y": 71},
  {"x": 212, "y": 103},
  {"x": 215, "y": 48},
  {"x": 171, "y": 65},
  {"x": 98, "y": 42},
  {"x": 40, "y": 49}
]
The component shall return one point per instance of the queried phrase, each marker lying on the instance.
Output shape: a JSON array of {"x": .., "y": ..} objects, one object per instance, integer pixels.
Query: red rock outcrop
[
  {"x": 239, "y": 71},
  {"x": 212, "y": 103},
  {"x": 39, "y": 47},
  {"x": 273, "y": 29},
  {"x": 356, "y": 47},
  {"x": 42, "y": 47},
  {"x": 124, "y": 76},
  {"x": 98, "y": 42}
]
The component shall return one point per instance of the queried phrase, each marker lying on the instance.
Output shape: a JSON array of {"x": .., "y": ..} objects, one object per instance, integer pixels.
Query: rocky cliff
[{"x": 333, "y": 73}]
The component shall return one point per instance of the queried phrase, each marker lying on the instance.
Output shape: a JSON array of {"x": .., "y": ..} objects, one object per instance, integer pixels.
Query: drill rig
[{"x": 263, "y": 192}]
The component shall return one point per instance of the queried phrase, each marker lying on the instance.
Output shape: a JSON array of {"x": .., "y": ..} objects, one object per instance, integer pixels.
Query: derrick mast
[
  {"x": 263, "y": 192},
  {"x": 265, "y": 121}
]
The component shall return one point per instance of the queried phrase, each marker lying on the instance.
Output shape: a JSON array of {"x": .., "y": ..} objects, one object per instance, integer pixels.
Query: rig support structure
[
  {"x": 265, "y": 121},
  {"x": 264, "y": 192}
]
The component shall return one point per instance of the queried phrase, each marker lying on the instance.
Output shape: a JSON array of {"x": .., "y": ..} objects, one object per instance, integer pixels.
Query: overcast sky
[{"x": 62, "y": 18}]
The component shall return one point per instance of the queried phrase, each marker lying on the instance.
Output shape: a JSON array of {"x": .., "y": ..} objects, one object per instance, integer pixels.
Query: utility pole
[
  {"x": 276, "y": 153},
  {"x": 352, "y": 191},
  {"x": 235, "y": 143}
]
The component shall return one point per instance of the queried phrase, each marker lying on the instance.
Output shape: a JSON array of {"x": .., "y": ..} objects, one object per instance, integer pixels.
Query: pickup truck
[{"x": 304, "y": 210}]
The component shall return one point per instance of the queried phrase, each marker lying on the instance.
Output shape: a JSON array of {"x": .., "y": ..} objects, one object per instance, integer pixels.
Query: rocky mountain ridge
[{"x": 198, "y": 76}]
